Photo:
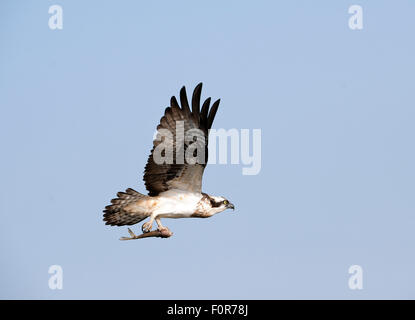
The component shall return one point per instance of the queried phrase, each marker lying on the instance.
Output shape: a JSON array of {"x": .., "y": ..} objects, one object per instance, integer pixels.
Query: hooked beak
[{"x": 230, "y": 206}]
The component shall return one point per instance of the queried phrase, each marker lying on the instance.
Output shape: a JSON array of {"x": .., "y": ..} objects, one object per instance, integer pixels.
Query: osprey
[{"x": 174, "y": 187}]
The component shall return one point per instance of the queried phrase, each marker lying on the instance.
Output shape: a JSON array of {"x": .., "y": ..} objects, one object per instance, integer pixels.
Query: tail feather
[{"x": 115, "y": 215}]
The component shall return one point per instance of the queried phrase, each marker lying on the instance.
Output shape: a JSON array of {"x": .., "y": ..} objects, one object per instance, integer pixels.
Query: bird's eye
[{"x": 225, "y": 202}]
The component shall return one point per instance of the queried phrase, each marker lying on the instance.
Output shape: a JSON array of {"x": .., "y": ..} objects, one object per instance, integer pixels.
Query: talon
[{"x": 146, "y": 227}]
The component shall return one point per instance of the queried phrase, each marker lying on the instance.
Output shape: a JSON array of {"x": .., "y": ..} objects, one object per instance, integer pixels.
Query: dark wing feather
[
  {"x": 196, "y": 103},
  {"x": 212, "y": 113},
  {"x": 184, "y": 176},
  {"x": 205, "y": 109}
]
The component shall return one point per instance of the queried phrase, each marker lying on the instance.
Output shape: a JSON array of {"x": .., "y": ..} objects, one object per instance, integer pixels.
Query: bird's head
[{"x": 220, "y": 204}]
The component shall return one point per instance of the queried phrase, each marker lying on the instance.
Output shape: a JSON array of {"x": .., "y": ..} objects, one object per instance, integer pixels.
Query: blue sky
[{"x": 79, "y": 107}]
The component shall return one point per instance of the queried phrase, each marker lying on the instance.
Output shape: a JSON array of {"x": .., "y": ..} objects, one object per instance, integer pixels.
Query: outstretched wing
[{"x": 179, "y": 173}]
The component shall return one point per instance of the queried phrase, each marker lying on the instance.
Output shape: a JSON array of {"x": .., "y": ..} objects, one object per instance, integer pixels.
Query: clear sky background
[{"x": 336, "y": 107}]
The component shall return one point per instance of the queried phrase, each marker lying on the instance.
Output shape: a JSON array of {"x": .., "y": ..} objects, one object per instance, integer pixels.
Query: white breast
[{"x": 177, "y": 204}]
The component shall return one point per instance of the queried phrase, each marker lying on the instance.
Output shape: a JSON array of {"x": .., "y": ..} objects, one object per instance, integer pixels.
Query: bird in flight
[{"x": 174, "y": 170}]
